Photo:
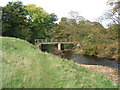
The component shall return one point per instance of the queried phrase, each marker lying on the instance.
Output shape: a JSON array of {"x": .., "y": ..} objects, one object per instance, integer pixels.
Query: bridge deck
[
  {"x": 39, "y": 42},
  {"x": 42, "y": 41},
  {"x": 57, "y": 42}
]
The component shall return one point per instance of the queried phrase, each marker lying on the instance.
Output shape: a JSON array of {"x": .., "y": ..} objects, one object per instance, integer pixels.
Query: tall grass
[{"x": 26, "y": 67}]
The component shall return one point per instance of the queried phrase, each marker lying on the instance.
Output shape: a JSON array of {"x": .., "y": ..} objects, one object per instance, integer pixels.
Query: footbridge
[{"x": 39, "y": 42}]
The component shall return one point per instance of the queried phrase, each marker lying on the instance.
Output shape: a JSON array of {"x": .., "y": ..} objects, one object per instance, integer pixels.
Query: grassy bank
[{"x": 24, "y": 66}]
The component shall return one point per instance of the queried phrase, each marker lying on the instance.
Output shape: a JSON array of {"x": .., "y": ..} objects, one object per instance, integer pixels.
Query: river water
[{"x": 90, "y": 60}]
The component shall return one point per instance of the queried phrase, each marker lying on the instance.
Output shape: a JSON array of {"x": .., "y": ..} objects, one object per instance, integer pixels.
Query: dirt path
[{"x": 111, "y": 73}]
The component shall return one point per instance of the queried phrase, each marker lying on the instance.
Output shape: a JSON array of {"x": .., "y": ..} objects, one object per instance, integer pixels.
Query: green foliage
[
  {"x": 91, "y": 35},
  {"x": 27, "y": 22},
  {"x": 26, "y": 67},
  {"x": 14, "y": 21},
  {"x": 40, "y": 22},
  {"x": 31, "y": 22},
  {"x": 114, "y": 31}
]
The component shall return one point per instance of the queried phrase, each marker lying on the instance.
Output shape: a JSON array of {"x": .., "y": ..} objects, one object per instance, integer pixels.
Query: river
[
  {"x": 90, "y": 60},
  {"x": 84, "y": 59}
]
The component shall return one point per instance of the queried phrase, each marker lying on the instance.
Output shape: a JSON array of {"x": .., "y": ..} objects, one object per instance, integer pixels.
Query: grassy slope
[{"x": 24, "y": 66}]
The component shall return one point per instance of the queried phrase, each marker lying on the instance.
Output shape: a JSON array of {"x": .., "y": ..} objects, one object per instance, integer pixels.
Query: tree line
[
  {"x": 27, "y": 22},
  {"x": 30, "y": 22}
]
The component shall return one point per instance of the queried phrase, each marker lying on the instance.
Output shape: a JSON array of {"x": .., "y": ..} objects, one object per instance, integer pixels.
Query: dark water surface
[{"x": 90, "y": 60}]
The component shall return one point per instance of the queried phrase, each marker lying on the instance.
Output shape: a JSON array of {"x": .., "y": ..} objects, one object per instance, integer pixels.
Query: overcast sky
[{"x": 90, "y": 9}]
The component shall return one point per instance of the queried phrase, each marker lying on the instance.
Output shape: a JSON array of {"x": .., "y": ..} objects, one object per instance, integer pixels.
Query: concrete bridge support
[
  {"x": 59, "y": 46},
  {"x": 78, "y": 45}
]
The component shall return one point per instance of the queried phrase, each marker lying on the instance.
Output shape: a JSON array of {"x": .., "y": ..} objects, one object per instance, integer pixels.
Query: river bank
[
  {"x": 106, "y": 67},
  {"x": 110, "y": 72}
]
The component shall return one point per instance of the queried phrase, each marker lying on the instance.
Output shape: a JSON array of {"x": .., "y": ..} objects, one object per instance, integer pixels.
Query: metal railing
[{"x": 52, "y": 40}]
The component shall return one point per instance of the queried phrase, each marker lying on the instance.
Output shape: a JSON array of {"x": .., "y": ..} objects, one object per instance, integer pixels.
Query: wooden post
[{"x": 59, "y": 46}]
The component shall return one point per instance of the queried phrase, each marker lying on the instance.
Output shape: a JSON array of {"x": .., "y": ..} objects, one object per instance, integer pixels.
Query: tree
[
  {"x": 113, "y": 13},
  {"x": 76, "y": 16},
  {"x": 27, "y": 22},
  {"x": 14, "y": 21},
  {"x": 62, "y": 29},
  {"x": 40, "y": 22}
]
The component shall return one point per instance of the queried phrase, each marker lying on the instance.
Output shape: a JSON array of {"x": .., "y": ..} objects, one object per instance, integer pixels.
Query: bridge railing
[{"x": 52, "y": 40}]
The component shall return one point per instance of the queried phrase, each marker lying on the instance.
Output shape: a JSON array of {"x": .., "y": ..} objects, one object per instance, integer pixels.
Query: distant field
[{"x": 26, "y": 67}]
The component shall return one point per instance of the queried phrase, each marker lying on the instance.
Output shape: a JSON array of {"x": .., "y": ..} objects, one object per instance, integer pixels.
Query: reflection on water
[{"x": 90, "y": 60}]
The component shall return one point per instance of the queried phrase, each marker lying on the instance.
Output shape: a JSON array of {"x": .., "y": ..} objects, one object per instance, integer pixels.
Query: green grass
[{"x": 25, "y": 66}]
